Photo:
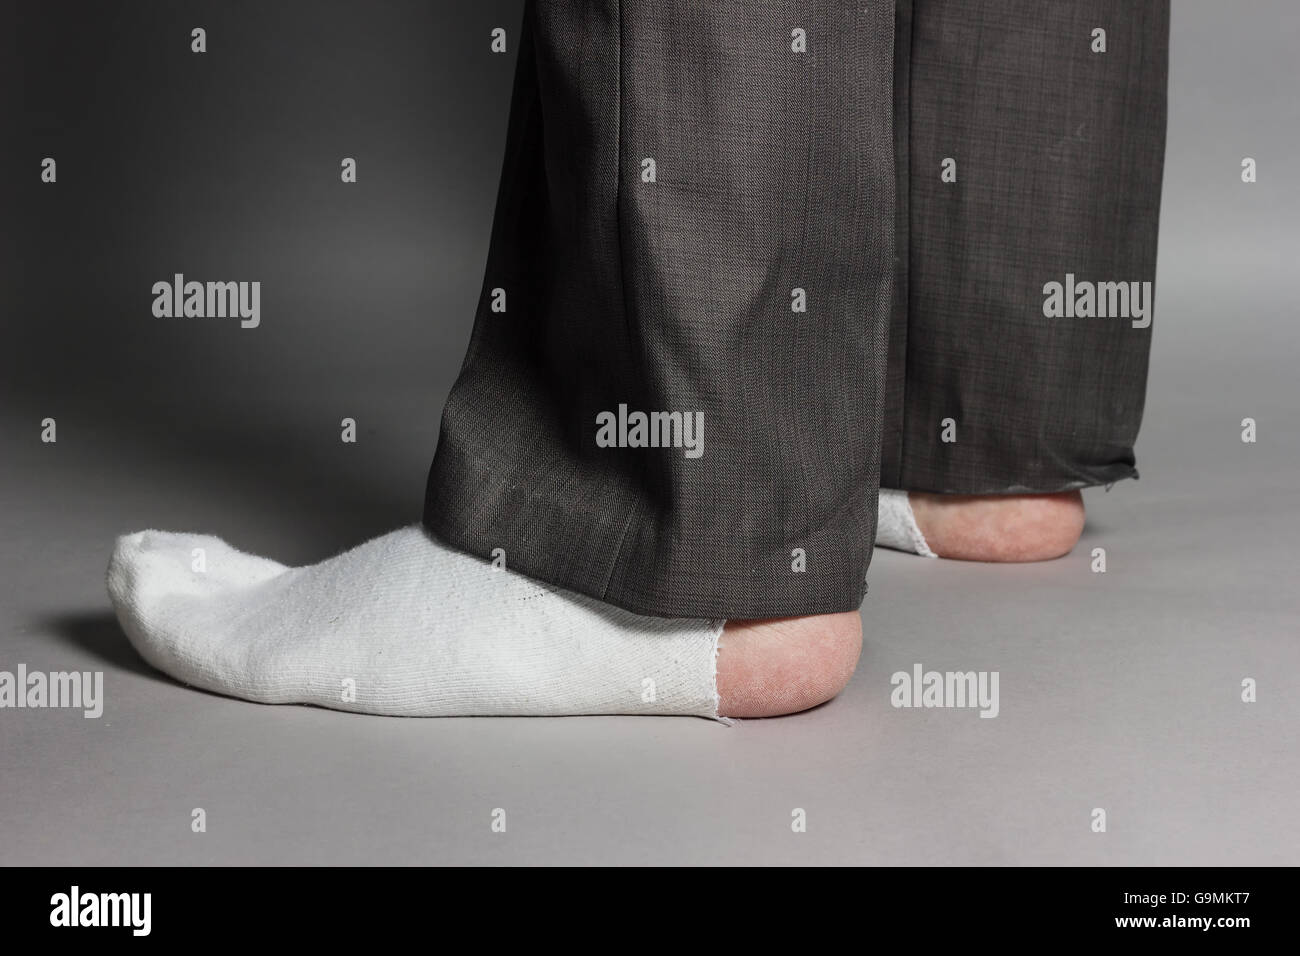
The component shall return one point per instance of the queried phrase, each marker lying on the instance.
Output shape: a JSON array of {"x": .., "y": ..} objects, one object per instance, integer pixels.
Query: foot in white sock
[{"x": 401, "y": 625}]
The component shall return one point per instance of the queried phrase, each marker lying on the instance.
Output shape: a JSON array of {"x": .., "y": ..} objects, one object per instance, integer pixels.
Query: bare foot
[
  {"x": 780, "y": 666},
  {"x": 999, "y": 527}
]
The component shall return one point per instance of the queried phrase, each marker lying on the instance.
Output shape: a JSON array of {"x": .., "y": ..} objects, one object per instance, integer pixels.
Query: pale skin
[{"x": 773, "y": 667}]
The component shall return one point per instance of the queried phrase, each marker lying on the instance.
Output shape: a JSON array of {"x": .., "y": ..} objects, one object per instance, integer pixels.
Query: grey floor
[{"x": 1119, "y": 691}]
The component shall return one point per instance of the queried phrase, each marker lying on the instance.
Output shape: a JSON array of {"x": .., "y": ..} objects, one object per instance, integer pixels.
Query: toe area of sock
[{"x": 167, "y": 562}]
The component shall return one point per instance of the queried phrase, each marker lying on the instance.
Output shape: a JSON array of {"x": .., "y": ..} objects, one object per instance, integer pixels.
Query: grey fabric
[
  {"x": 1059, "y": 153},
  {"x": 776, "y": 170}
]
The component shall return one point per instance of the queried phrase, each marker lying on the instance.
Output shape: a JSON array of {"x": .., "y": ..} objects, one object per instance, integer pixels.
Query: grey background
[{"x": 1118, "y": 690}]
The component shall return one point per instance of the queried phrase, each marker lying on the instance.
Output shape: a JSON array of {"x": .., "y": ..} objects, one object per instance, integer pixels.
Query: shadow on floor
[{"x": 98, "y": 634}]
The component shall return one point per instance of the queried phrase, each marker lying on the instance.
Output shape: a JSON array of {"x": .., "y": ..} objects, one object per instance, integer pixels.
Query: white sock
[
  {"x": 401, "y": 625},
  {"x": 896, "y": 525}
]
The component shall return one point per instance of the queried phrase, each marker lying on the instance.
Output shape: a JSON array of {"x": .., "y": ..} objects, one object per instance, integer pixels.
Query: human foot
[
  {"x": 984, "y": 527},
  {"x": 404, "y": 625},
  {"x": 773, "y": 667}
]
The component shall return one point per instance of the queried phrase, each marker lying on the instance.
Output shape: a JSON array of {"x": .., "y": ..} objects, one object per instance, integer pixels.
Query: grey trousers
[{"x": 833, "y": 246}]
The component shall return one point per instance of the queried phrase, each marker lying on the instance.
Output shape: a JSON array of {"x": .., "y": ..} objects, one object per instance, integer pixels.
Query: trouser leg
[
  {"x": 695, "y": 217},
  {"x": 1054, "y": 153}
]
